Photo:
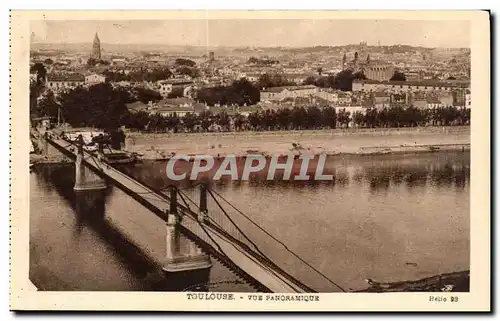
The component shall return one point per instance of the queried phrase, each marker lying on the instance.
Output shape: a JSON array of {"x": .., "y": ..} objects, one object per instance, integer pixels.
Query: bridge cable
[
  {"x": 97, "y": 161},
  {"x": 280, "y": 242},
  {"x": 196, "y": 205},
  {"x": 159, "y": 193},
  {"x": 235, "y": 225},
  {"x": 206, "y": 232},
  {"x": 266, "y": 265},
  {"x": 213, "y": 240}
]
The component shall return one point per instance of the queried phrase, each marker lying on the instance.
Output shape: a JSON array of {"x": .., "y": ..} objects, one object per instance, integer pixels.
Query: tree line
[
  {"x": 262, "y": 62},
  {"x": 240, "y": 92},
  {"x": 301, "y": 118},
  {"x": 103, "y": 106},
  {"x": 341, "y": 81},
  {"x": 138, "y": 75}
]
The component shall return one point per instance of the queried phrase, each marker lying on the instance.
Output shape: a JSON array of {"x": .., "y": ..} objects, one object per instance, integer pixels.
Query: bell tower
[{"x": 96, "y": 48}]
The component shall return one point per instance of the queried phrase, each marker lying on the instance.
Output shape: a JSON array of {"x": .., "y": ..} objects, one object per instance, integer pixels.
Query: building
[
  {"x": 378, "y": 71},
  {"x": 434, "y": 102},
  {"x": 96, "y": 48},
  {"x": 373, "y": 69},
  {"x": 93, "y": 79},
  {"x": 165, "y": 87},
  {"x": 381, "y": 99},
  {"x": 138, "y": 106},
  {"x": 297, "y": 78},
  {"x": 178, "y": 106},
  {"x": 168, "y": 111},
  {"x": 397, "y": 86},
  {"x": 280, "y": 93},
  {"x": 67, "y": 81},
  {"x": 467, "y": 99},
  {"x": 414, "y": 75}
]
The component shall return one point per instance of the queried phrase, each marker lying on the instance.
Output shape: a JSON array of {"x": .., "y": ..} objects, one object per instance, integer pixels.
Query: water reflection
[
  {"x": 378, "y": 172},
  {"x": 91, "y": 225},
  {"x": 89, "y": 208},
  {"x": 377, "y": 214}
]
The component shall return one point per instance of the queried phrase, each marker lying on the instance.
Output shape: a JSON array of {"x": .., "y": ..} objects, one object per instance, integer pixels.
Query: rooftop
[
  {"x": 66, "y": 77},
  {"x": 433, "y": 83},
  {"x": 290, "y": 88}
]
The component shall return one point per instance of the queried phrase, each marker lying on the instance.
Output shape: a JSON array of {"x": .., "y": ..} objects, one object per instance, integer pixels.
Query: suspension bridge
[{"x": 195, "y": 231}]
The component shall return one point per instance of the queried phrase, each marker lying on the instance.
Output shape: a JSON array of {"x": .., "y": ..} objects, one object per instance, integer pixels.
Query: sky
[{"x": 256, "y": 32}]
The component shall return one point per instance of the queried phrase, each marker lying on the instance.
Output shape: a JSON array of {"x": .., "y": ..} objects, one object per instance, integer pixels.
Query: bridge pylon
[
  {"x": 182, "y": 254},
  {"x": 86, "y": 179}
]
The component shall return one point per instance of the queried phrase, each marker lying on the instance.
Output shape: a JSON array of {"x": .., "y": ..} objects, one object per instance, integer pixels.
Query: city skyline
[{"x": 257, "y": 32}]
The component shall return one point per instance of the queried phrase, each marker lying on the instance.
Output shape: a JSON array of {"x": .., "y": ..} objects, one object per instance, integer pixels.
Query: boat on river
[{"x": 120, "y": 157}]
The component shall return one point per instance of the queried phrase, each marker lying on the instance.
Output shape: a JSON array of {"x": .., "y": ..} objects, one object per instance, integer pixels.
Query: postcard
[{"x": 250, "y": 160}]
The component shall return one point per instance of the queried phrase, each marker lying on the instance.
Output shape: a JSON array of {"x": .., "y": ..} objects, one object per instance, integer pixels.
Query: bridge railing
[
  {"x": 254, "y": 237},
  {"x": 201, "y": 199},
  {"x": 218, "y": 213}
]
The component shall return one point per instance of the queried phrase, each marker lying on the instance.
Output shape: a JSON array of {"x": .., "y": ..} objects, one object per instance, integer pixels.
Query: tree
[
  {"x": 343, "y": 80},
  {"x": 185, "y": 62},
  {"x": 188, "y": 71},
  {"x": 48, "y": 61},
  {"x": 91, "y": 62},
  {"x": 40, "y": 71},
  {"x": 273, "y": 80},
  {"x": 283, "y": 118},
  {"x": 47, "y": 105},
  {"x": 222, "y": 119},
  {"x": 398, "y": 76},
  {"x": 358, "y": 118},
  {"x": 145, "y": 95},
  {"x": 240, "y": 92},
  {"x": 371, "y": 118},
  {"x": 176, "y": 92},
  {"x": 254, "y": 120},
  {"x": 206, "y": 119},
  {"x": 261, "y": 62},
  {"x": 245, "y": 93},
  {"x": 239, "y": 121},
  {"x": 100, "y": 106},
  {"x": 344, "y": 117},
  {"x": 451, "y": 78},
  {"x": 310, "y": 80},
  {"x": 329, "y": 117},
  {"x": 190, "y": 120}
]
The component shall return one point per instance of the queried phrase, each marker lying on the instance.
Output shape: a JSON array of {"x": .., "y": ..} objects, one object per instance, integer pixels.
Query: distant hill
[
  {"x": 125, "y": 48},
  {"x": 198, "y": 50}
]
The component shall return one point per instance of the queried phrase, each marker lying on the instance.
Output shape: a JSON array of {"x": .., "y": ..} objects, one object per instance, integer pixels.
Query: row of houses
[
  {"x": 73, "y": 80},
  {"x": 184, "y": 105},
  {"x": 69, "y": 81},
  {"x": 405, "y": 86},
  {"x": 423, "y": 94}
]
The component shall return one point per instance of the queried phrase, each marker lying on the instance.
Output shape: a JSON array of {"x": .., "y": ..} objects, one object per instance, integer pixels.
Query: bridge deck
[{"x": 246, "y": 260}]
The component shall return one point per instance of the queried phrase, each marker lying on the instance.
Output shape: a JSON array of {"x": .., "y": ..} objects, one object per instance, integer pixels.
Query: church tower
[
  {"x": 96, "y": 48},
  {"x": 344, "y": 61}
]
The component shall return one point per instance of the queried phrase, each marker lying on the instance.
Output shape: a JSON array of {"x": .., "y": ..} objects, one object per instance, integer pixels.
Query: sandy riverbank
[
  {"x": 449, "y": 282},
  {"x": 331, "y": 142}
]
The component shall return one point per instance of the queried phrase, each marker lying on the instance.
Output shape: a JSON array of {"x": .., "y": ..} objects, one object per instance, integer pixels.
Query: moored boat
[{"x": 120, "y": 157}]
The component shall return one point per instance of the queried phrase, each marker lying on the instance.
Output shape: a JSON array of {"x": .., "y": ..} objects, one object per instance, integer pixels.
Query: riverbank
[
  {"x": 330, "y": 142},
  {"x": 449, "y": 282}
]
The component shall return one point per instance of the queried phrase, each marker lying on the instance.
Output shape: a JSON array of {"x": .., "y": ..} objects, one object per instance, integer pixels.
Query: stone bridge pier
[
  {"x": 186, "y": 267},
  {"x": 90, "y": 188}
]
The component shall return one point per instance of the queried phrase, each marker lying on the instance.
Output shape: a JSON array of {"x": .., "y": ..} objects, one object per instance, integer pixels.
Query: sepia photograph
[{"x": 263, "y": 159}]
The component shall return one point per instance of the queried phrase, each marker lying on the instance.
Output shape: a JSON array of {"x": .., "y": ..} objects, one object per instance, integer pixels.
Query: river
[{"x": 385, "y": 217}]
